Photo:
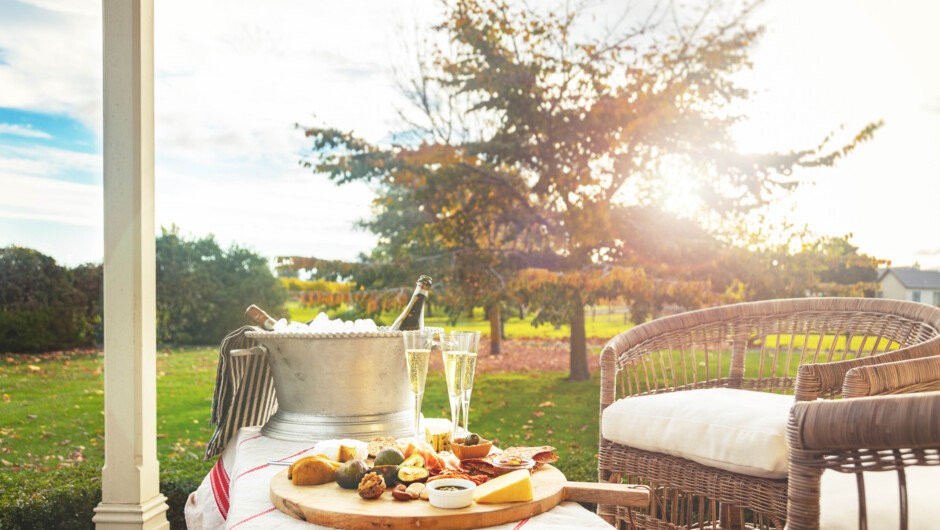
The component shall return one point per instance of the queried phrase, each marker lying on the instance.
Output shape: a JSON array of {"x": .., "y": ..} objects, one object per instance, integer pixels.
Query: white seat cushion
[
  {"x": 838, "y": 508},
  {"x": 737, "y": 430}
]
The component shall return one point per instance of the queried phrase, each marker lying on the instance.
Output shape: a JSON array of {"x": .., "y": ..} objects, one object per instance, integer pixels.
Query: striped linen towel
[{"x": 244, "y": 391}]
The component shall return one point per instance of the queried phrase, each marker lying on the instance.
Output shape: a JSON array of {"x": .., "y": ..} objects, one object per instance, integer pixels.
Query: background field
[
  {"x": 52, "y": 437},
  {"x": 52, "y": 410},
  {"x": 602, "y": 323}
]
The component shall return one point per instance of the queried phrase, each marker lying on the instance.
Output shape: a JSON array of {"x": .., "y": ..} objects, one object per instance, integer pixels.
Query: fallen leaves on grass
[{"x": 520, "y": 355}]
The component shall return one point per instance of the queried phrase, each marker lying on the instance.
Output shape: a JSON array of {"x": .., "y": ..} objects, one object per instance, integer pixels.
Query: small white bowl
[{"x": 451, "y": 499}]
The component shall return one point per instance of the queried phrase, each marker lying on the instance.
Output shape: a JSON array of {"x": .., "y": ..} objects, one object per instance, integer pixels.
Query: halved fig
[
  {"x": 414, "y": 460},
  {"x": 410, "y": 474}
]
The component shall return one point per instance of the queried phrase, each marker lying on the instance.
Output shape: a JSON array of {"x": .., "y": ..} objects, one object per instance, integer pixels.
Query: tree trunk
[
  {"x": 578, "y": 360},
  {"x": 495, "y": 330}
]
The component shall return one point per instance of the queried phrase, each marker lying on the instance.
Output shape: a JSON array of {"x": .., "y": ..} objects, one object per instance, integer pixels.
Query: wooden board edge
[{"x": 512, "y": 512}]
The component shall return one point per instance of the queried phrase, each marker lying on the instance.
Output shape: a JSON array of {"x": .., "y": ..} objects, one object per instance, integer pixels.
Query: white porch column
[{"x": 131, "y": 496}]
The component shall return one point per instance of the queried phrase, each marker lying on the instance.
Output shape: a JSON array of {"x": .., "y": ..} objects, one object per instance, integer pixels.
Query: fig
[
  {"x": 311, "y": 471},
  {"x": 414, "y": 460},
  {"x": 389, "y": 473},
  {"x": 408, "y": 475},
  {"x": 389, "y": 456},
  {"x": 350, "y": 474}
]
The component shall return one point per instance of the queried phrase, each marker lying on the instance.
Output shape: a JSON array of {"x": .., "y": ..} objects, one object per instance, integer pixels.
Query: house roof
[{"x": 914, "y": 278}]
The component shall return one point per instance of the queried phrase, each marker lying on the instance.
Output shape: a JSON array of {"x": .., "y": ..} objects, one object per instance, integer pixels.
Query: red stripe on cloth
[
  {"x": 269, "y": 510},
  {"x": 224, "y": 471},
  {"x": 246, "y": 439},
  {"x": 522, "y": 522},
  {"x": 218, "y": 479},
  {"x": 226, "y": 482},
  {"x": 262, "y": 466},
  {"x": 297, "y": 453}
]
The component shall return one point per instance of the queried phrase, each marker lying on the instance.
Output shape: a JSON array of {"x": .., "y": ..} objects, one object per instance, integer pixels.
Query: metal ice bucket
[{"x": 337, "y": 385}]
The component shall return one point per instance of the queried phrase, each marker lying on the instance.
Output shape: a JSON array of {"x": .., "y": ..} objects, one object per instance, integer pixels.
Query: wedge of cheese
[
  {"x": 511, "y": 487},
  {"x": 438, "y": 437}
]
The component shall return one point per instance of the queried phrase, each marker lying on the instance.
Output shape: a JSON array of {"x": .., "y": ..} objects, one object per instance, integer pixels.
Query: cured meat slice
[{"x": 544, "y": 454}]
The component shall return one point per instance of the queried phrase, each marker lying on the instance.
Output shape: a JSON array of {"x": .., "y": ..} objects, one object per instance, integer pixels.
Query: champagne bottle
[
  {"x": 413, "y": 315},
  {"x": 260, "y": 317}
]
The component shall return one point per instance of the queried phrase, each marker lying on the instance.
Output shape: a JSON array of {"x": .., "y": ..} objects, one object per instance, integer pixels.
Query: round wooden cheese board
[{"x": 330, "y": 505}]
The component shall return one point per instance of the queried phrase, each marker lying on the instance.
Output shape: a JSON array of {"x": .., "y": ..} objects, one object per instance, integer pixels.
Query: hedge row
[
  {"x": 202, "y": 292},
  {"x": 44, "y": 306},
  {"x": 66, "y": 498}
]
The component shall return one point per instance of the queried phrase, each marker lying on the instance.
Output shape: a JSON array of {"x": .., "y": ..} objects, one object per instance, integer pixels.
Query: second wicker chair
[{"x": 676, "y": 413}]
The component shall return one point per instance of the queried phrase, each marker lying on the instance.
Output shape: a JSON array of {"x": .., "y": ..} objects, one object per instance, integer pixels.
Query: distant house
[{"x": 910, "y": 283}]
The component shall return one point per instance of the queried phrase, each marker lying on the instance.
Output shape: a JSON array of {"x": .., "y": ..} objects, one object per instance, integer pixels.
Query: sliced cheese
[
  {"x": 511, "y": 487},
  {"x": 438, "y": 437}
]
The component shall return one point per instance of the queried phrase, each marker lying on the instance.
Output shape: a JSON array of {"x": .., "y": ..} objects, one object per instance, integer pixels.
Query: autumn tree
[
  {"x": 804, "y": 265},
  {"x": 563, "y": 186}
]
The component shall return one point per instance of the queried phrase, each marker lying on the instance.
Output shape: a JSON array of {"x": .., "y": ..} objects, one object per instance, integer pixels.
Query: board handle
[{"x": 627, "y": 495}]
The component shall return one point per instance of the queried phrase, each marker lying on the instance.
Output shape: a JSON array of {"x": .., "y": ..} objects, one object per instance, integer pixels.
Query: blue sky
[{"x": 232, "y": 78}]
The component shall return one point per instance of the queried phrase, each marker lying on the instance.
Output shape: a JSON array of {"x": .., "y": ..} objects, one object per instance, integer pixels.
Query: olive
[{"x": 472, "y": 439}]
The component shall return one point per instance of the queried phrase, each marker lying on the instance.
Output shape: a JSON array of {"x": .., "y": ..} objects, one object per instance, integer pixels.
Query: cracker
[{"x": 377, "y": 444}]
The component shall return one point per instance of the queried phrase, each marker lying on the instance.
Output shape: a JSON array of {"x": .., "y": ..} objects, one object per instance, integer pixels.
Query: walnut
[{"x": 372, "y": 486}]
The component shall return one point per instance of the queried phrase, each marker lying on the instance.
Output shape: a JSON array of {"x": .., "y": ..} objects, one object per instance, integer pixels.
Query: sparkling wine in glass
[
  {"x": 468, "y": 376},
  {"x": 417, "y": 355},
  {"x": 455, "y": 351}
]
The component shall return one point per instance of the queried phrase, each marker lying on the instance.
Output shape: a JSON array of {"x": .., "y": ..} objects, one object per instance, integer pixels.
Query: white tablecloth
[{"x": 235, "y": 493}]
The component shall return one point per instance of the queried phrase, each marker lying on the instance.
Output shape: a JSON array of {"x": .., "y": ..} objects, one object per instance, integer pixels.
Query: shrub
[
  {"x": 202, "y": 290},
  {"x": 66, "y": 498},
  {"x": 202, "y": 293},
  {"x": 44, "y": 306}
]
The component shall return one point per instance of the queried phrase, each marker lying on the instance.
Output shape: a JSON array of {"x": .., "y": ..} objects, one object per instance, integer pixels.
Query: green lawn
[
  {"x": 516, "y": 328},
  {"x": 51, "y": 413}
]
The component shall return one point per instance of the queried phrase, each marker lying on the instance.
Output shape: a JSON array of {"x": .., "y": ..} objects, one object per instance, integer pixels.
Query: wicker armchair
[
  {"x": 758, "y": 346},
  {"x": 869, "y": 435}
]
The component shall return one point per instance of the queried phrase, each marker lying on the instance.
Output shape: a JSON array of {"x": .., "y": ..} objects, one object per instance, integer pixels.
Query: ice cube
[
  {"x": 365, "y": 326},
  {"x": 320, "y": 323},
  {"x": 280, "y": 325},
  {"x": 298, "y": 327}
]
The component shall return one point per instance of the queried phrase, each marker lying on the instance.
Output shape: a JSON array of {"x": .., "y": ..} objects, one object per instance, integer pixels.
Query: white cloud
[
  {"x": 43, "y": 199},
  {"x": 26, "y": 132},
  {"x": 50, "y": 162},
  {"x": 75, "y": 7},
  {"x": 276, "y": 213},
  {"x": 53, "y": 63},
  {"x": 231, "y": 79}
]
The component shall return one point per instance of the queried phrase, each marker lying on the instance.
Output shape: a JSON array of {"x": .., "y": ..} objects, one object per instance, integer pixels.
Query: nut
[
  {"x": 372, "y": 486},
  {"x": 400, "y": 493},
  {"x": 416, "y": 489}
]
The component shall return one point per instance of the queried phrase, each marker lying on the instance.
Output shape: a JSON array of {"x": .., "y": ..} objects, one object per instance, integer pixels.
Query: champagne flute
[
  {"x": 417, "y": 355},
  {"x": 468, "y": 376},
  {"x": 455, "y": 348}
]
